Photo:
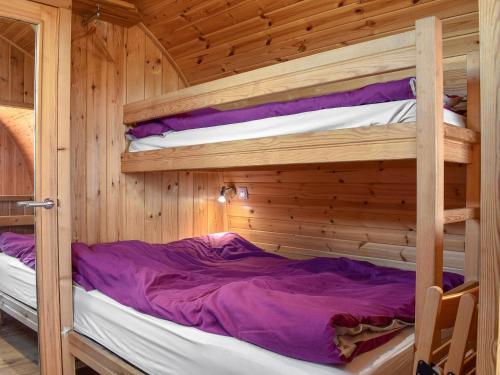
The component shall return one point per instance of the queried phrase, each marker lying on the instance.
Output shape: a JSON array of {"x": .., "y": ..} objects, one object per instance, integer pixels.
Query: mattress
[
  {"x": 158, "y": 346},
  {"x": 401, "y": 111},
  {"x": 17, "y": 280},
  {"x": 162, "y": 347}
]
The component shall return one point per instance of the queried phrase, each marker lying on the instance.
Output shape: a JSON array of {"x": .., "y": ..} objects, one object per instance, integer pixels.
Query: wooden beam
[
  {"x": 64, "y": 213},
  {"x": 15, "y": 198},
  {"x": 97, "y": 357},
  {"x": 119, "y": 12},
  {"x": 430, "y": 160},
  {"x": 8, "y": 103},
  {"x": 389, "y": 142},
  {"x": 489, "y": 297},
  {"x": 457, "y": 215},
  {"x": 26, "y": 53},
  {"x": 378, "y": 56},
  {"x": 19, "y": 311},
  {"x": 17, "y": 220},
  {"x": 473, "y": 172}
]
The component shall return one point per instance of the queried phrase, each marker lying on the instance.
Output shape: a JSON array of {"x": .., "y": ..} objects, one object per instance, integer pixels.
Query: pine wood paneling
[
  {"x": 213, "y": 39},
  {"x": 20, "y": 34},
  {"x": 16, "y": 66},
  {"x": 14, "y": 169},
  {"x": 109, "y": 205},
  {"x": 350, "y": 209},
  {"x": 489, "y": 294}
]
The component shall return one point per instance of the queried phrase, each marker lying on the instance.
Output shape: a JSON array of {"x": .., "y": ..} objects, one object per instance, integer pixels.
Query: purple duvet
[
  {"x": 371, "y": 94},
  {"x": 20, "y": 246},
  {"x": 223, "y": 284}
]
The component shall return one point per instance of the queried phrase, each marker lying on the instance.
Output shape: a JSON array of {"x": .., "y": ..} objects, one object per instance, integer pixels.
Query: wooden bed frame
[{"x": 429, "y": 141}]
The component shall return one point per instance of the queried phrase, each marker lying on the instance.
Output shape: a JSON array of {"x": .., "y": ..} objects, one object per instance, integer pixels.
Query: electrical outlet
[{"x": 242, "y": 193}]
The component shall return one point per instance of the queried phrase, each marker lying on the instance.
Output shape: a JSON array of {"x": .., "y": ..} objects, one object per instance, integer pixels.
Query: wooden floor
[{"x": 19, "y": 350}]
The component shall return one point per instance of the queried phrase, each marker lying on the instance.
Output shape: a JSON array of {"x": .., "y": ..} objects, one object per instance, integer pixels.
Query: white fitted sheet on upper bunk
[
  {"x": 17, "y": 280},
  {"x": 326, "y": 119},
  {"x": 158, "y": 346}
]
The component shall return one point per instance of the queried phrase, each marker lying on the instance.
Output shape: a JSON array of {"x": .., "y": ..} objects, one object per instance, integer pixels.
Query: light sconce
[{"x": 223, "y": 191}]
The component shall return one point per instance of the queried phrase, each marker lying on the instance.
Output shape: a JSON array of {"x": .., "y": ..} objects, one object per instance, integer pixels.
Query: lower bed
[{"x": 158, "y": 346}]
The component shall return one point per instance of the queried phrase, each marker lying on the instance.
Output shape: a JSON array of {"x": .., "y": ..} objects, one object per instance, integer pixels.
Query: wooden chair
[{"x": 455, "y": 310}]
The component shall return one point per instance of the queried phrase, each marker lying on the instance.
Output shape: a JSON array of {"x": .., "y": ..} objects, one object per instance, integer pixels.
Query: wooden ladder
[{"x": 431, "y": 215}]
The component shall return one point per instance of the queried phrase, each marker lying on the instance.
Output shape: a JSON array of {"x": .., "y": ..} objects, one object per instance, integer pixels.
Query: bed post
[
  {"x": 473, "y": 182},
  {"x": 430, "y": 159}
]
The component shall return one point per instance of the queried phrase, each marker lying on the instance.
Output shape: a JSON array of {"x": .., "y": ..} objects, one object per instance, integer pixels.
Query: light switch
[{"x": 242, "y": 193}]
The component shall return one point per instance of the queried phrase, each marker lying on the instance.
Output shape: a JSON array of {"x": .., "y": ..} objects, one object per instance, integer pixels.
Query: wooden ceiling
[
  {"x": 20, "y": 34},
  {"x": 20, "y": 123},
  {"x": 210, "y": 39}
]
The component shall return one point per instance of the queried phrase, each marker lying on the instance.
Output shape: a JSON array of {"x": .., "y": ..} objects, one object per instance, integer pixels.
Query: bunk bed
[
  {"x": 428, "y": 140},
  {"x": 17, "y": 281}
]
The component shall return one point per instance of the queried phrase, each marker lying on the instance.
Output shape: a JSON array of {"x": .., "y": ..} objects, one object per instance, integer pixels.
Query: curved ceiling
[
  {"x": 20, "y": 34},
  {"x": 20, "y": 123},
  {"x": 210, "y": 39}
]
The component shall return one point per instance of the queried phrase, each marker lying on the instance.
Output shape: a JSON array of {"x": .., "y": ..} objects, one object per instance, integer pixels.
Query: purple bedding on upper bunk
[
  {"x": 20, "y": 246},
  {"x": 371, "y": 94},
  {"x": 225, "y": 285}
]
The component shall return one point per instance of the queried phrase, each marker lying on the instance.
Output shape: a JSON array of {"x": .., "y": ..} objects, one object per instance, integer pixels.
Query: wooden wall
[
  {"x": 17, "y": 70},
  {"x": 353, "y": 209},
  {"x": 111, "y": 66},
  {"x": 16, "y": 178}
]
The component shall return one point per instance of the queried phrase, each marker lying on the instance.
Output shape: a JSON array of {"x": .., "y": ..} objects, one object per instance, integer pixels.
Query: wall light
[{"x": 223, "y": 191}]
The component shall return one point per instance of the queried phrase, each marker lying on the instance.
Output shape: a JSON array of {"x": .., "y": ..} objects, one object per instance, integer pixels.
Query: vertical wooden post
[
  {"x": 473, "y": 183},
  {"x": 489, "y": 292},
  {"x": 63, "y": 188},
  {"x": 430, "y": 159}
]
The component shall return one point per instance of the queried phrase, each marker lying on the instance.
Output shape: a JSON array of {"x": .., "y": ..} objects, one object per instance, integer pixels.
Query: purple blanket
[
  {"x": 375, "y": 93},
  {"x": 225, "y": 285},
  {"x": 20, "y": 246}
]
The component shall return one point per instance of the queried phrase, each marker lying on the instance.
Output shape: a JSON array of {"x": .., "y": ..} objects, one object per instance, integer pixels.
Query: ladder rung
[{"x": 457, "y": 215}]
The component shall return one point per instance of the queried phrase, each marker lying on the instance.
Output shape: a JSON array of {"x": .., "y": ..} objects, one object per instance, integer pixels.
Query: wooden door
[{"x": 52, "y": 174}]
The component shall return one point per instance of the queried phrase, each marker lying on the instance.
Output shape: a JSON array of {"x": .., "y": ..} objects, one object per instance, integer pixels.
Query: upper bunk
[{"x": 419, "y": 51}]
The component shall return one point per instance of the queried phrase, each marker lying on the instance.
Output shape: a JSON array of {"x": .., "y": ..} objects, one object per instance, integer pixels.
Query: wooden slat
[
  {"x": 98, "y": 358},
  {"x": 395, "y": 141},
  {"x": 430, "y": 160},
  {"x": 16, "y": 220},
  {"x": 458, "y": 215},
  {"x": 473, "y": 185},
  {"x": 19, "y": 311},
  {"x": 392, "y": 53}
]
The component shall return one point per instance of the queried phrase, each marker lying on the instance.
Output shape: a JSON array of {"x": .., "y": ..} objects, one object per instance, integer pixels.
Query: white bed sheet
[
  {"x": 160, "y": 347},
  {"x": 327, "y": 119},
  {"x": 17, "y": 280}
]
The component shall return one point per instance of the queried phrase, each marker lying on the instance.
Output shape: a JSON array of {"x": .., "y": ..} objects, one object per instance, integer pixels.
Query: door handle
[{"x": 46, "y": 203}]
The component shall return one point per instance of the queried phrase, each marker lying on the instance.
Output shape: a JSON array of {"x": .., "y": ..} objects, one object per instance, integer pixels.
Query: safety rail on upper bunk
[
  {"x": 13, "y": 216},
  {"x": 390, "y": 54}
]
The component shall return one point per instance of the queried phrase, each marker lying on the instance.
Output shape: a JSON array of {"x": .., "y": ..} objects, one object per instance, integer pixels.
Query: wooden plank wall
[
  {"x": 110, "y": 67},
  {"x": 17, "y": 71},
  {"x": 359, "y": 210},
  {"x": 16, "y": 177}
]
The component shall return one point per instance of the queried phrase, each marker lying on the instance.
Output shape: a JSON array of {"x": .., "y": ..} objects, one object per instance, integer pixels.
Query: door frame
[{"x": 52, "y": 176}]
